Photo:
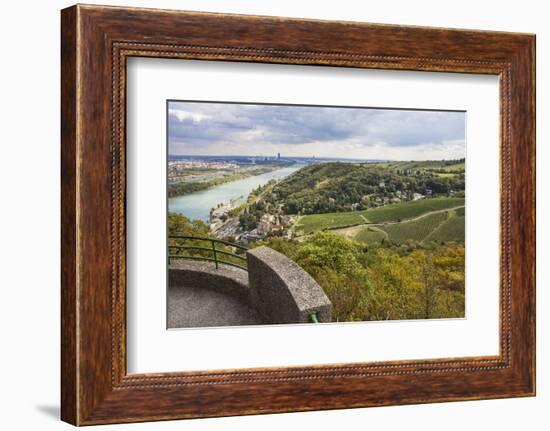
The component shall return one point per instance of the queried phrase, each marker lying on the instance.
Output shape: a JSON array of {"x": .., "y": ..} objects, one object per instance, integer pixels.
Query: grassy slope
[
  {"x": 369, "y": 235},
  {"x": 452, "y": 230},
  {"x": 457, "y": 167},
  {"x": 412, "y": 209},
  {"x": 396, "y": 212},
  {"x": 416, "y": 230},
  {"x": 446, "y": 226},
  {"x": 428, "y": 164},
  {"x": 316, "y": 222}
]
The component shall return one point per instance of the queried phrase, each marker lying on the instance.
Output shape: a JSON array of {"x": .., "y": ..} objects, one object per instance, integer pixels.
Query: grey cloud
[{"x": 221, "y": 123}]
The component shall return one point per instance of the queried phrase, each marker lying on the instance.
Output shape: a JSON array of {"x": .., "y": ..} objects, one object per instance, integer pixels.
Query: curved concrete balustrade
[
  {"x": 275, "y": 290},
  {"x": 282, "y": 291}
]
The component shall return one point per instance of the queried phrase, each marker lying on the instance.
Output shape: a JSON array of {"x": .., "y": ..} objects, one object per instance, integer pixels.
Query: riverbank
[
  {"x": 187, "y": 188},
  {"x": 197, "y": 205}
]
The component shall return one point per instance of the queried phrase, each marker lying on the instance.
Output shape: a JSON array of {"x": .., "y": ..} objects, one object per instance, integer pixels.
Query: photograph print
[{"x": 299, "y": 214}]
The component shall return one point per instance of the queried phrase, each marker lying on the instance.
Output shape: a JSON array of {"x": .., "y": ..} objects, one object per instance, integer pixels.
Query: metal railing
[
  {"x": 181, "y": 251},
  {"x": 313, "y": 317}
]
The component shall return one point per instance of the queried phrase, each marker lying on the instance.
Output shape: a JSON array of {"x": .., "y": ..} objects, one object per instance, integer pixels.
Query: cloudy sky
[{"x": 198, "y": 128}]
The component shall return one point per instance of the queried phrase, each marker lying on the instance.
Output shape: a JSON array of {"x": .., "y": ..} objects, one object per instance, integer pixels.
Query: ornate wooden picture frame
[{"x": 96, "y": 41}]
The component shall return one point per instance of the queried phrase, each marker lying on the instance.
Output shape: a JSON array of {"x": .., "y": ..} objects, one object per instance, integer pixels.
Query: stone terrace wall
[
  {"x": 282, "y": 291},
  {"x": 227, "y": 280}
]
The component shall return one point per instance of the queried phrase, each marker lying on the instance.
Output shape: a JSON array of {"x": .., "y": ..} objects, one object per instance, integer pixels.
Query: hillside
[
  {"x": 446, "y": 165},
  {"x": 438, "y": 227},
  {"x": 341, "y": 187},
  {"x": 389, "y": 213}
]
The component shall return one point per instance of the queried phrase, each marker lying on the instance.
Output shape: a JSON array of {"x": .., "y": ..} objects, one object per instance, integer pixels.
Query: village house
[{"x": 285, "y": 220}]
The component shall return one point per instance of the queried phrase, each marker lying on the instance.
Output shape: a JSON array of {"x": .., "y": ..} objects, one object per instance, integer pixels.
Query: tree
[
  {"x": 248, "y": 221},
  {"x": 381, "y": 282},
  {"x": 178, "y": 224}
]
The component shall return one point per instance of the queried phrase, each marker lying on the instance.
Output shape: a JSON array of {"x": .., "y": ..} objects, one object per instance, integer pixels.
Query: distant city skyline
[
  {"x": 176, "y": 157},
  {"x": 227, "y": 129}
]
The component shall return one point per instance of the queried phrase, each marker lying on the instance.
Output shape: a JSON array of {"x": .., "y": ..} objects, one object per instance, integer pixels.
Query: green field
[
  {"x": 427, "y": 164},
  {"x": 457, "y": 167},
  {"x": 317, "y": 222},
  {"x": 407, "y": 210},
  {"x": 460, "y": 212},
  {"x": 370, "y": 235},
  {"x": 416, "y": 230},
  {"x": 453, "y": 229},
  {"x": 444, "y": 226},
  {"x": 395, "y": 212}
]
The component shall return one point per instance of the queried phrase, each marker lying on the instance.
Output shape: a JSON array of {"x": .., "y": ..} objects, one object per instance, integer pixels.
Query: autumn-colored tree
[
  {"x": 179, "y": 225},
  {"x": 381, "y": 283}
]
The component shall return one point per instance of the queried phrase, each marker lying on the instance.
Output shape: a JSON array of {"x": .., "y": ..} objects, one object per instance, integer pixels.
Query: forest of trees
[
  {"x": 409, "y": 278},
  {"x": 333, "y": 187},
  {"x": 369, "y": 282},
  {"x": 381, "y": 283}
]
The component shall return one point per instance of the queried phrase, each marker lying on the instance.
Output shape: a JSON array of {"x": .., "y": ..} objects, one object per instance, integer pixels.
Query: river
[{"x": 197, "y": 206}]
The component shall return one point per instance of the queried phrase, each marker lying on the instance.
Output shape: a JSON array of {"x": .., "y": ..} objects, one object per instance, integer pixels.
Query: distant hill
[
  {"x": 341, "y": 187},
  {"x": 447, "y": 165}
]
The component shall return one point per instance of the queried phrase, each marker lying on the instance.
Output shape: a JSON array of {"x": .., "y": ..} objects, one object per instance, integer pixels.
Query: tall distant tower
[{"x": 278, "y": 156}]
